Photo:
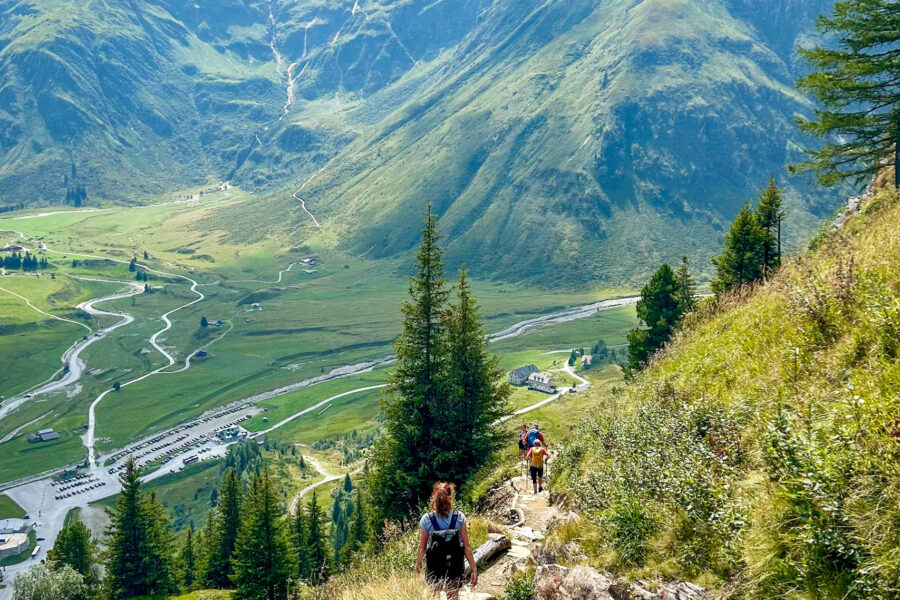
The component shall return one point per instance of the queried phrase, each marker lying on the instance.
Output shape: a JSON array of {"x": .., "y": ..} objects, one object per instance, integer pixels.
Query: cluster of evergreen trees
[
  {"x": 752, "y": 251},
  {"x": 667, "y": 297},
  {"x": 247, "y": 544},
  {"x": 753, "y": 244},
  {"x": 444, "y": 395},
  {"x": 76, "y": 195},
  {"x": 27, "y": 262}
]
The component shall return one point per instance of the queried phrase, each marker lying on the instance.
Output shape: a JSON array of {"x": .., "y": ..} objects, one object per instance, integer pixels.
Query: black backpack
[{"x": 444, "y": 555}]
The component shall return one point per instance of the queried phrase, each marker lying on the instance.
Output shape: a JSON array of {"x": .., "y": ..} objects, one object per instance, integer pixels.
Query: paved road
[{"x": 71, "y": 357}]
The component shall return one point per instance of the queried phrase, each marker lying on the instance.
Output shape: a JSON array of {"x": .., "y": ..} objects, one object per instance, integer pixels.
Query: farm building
[
  {"x": 520, "y": 376},
  {"x": 215, "y": 323},
  {"x": 43, "y": 435},
  {"x": 256, "y": 306},
  {"x": 587, "y": 360},
  {"x": 541, "y": 383}
]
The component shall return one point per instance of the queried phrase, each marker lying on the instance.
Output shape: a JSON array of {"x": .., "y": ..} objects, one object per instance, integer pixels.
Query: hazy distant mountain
[{"x": 595, "y": 137}]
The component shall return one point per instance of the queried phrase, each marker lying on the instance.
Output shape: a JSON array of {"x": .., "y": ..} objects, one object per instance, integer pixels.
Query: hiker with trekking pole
[{"x": 444, "y": 544}]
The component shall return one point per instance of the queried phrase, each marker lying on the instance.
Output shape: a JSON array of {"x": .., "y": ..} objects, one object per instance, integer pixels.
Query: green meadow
[{"x": 344, "y": 311}]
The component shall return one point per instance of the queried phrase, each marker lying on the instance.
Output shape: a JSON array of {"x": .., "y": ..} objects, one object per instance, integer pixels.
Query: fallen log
[{"x": 496, "y": 544}]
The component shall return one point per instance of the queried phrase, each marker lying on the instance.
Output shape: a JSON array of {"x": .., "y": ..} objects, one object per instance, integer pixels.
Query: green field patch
[{"x": 9, "y": 509}]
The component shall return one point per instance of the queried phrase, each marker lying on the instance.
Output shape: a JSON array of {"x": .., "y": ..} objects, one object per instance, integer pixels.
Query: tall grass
[{"x": 762, "y": 447}]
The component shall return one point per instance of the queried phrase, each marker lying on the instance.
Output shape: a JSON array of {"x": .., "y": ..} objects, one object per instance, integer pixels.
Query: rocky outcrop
[{"x": 556, "y": 582}]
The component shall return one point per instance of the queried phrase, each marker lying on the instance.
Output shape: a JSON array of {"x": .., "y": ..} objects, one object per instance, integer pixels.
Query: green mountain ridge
[{"x": 593, "y": 140}]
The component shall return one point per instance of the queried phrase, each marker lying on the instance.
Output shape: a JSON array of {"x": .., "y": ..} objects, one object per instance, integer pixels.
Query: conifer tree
[
  {"x": 348, "y": 485},
  {"x": 685, "y": 287},
  {"x": 403, "y": 474},
  {"x": 476, "y": 397},
  {"x": 858, "y": 87},
  {"x": 261, "y": 560},
  {"x": 138, "y": 560},
  {"x": 769, "y": 214},
  {"x": 188, "y": 561},
  {"x": 132, "y": 266},
  {"x": 660, "y": 311},
  {"x": 300, "y": 539},
  {"x": 741, "y": 261},
  {"x": 74, "y": 547},
  {"x": 358, "y": 536},
  {"x": 316, "y": 544},
  {"x": 226, "y": 522}
]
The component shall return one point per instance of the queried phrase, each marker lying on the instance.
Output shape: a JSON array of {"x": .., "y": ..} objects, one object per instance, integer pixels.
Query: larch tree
[{"x": 857, "y": 83}]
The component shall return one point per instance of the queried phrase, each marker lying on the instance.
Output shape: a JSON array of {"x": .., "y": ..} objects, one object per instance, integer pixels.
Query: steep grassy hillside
[{"x": 760, "y": 452}]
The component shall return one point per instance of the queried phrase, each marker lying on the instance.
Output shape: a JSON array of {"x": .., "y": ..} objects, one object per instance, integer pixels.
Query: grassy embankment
[{"x": 760, "y": 452}]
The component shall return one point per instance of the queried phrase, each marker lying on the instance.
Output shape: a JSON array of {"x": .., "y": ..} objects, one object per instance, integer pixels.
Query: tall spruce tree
[
  {"x": 261, "y": 560},
  {"x": 300, "y": 540},
  {"x": 317, "y": 544},
  {"x": 769, "y": 214},
  {"x": 138, "y": 556},
  {"x": 403, "y": 472},
  {"x": 188, "y": 566},
  {"x": 358, "y": 535},
  {"x": 660, "y": 310},
  {"x": 476, "y": 396},
  {"x": 685, "y": 287},
  {"x": 858, "y": 86},
  {"x": 74, "y": 547},
  {"x": 741, "y": 261},
  {"x": 226, "y": 522}
]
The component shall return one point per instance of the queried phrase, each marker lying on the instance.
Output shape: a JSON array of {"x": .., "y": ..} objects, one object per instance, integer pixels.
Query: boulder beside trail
[{"x": 555, "y": 582}]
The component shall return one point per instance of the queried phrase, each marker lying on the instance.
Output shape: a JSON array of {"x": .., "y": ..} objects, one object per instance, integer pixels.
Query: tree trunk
[{"x": 498, "y": 543}]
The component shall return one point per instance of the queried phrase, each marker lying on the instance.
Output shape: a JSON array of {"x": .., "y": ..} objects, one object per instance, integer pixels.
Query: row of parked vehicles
[{"x": 80, "y": 490}]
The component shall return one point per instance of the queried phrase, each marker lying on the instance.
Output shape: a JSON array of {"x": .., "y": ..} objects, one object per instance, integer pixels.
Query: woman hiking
[{"x": 444, "y": 543}]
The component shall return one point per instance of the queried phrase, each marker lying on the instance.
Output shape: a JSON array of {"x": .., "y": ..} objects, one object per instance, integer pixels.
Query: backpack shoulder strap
[
  {"x": 453, "y": 520},
  {"x": 434, "y": 523}
]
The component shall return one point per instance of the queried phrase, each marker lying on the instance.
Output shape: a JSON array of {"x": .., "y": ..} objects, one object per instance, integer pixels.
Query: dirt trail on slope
[{"x": 536, "y": 513}]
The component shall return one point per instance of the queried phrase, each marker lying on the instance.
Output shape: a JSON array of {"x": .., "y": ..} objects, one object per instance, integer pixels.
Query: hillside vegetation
[{"x": 759, "y": 452}]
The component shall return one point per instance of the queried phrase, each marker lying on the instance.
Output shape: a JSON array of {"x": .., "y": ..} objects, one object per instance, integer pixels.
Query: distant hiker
[
  {"x": 535, "y": 435},
  {"x": 444, "y": 543},
  {"x": 537, "y": 457},
  {"x": 523, "y": 441}
]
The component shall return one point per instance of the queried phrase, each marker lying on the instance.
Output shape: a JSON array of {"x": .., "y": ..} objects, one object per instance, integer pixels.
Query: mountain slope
[
  {"x": 598, "y": 138},
  {"x": 590, "y": 139},
  {"x": 761, "y": 448}
]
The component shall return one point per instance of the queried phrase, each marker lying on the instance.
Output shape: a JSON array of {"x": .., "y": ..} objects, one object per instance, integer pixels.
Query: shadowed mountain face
[{"x": 593, "y": 138}]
